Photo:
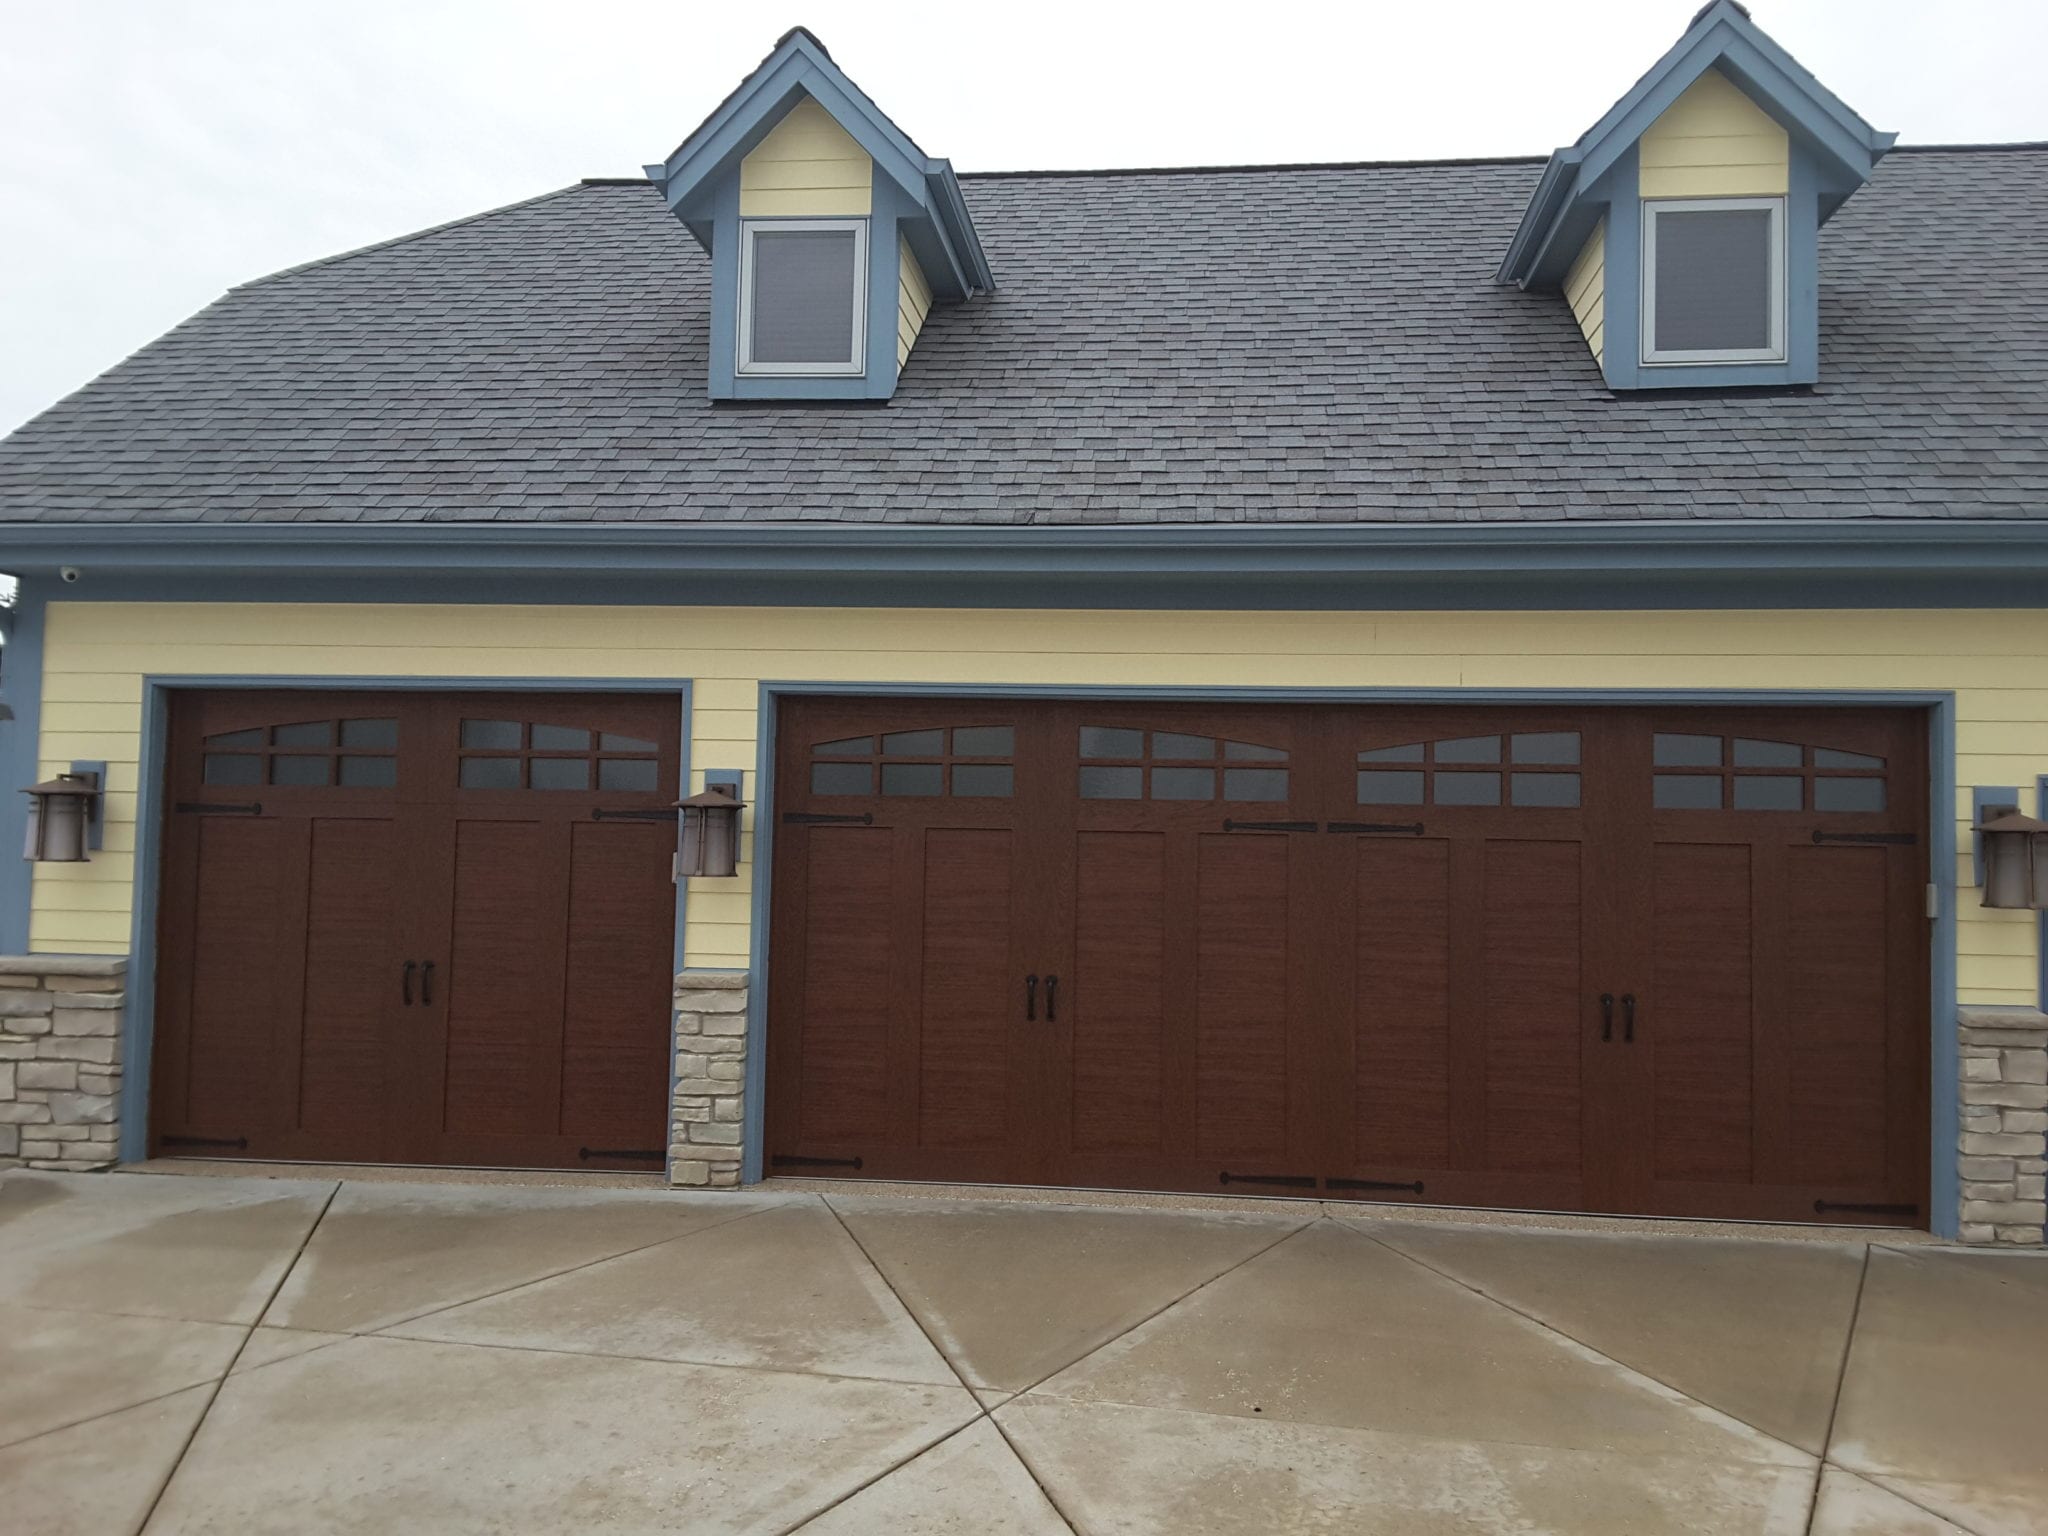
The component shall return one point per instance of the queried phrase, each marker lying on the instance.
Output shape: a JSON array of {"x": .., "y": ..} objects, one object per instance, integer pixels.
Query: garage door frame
[
  {"x": 139, "y": 1021},
  {"x": 1943, "y": 1044}
]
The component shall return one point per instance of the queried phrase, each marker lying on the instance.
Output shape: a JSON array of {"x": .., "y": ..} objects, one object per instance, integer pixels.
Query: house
[{"x": 1462, "y": 682}]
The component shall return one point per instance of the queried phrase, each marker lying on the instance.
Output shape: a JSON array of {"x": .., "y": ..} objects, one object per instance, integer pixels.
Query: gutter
[{"x": 1776, "y": 563}]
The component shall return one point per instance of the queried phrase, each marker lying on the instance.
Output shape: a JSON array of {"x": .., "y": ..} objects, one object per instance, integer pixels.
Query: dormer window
[
  {"x": 1682, "y": 230},
  {"x": 1714, "y": 280},
  {"x": 833, "y": 237},
  {"x": 803, "y": 296}
]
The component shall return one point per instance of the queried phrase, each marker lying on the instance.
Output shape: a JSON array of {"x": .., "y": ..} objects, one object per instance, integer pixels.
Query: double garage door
[
  {"x": 425, "y": 928},
  {"x": 1649, "y": 960}
]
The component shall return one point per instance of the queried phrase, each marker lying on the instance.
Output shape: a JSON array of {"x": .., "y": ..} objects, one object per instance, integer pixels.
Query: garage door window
[
  {"x": 1126, "y": 763},
  {"x": 522, "y": 754},
  {"x": 305, "y": 754},
  {"x": 968, "y": 762},
  {"x": 1534, "y": 768},
  {"x": 1742, "y": 773}
]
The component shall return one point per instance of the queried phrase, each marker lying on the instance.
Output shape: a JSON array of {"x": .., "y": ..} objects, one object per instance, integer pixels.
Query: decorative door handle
[
  {"x": 1606, "y": 1015},
  {"x": 1031, "y": 998},
  {"x": 1052, "y": 984},
  {"x": 405, "y": 982},
  {"x": 1628, "y": 1018},
  {"x": 427, "y": 982}
]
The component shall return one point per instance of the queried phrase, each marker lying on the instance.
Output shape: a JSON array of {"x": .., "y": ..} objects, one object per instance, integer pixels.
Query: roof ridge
[
  {"x": 405, "y": 239},
  {"x": 1282, "y": 165},
  {"x": 1973, "y": 148},
  {"x": 1397, "y": 165}
]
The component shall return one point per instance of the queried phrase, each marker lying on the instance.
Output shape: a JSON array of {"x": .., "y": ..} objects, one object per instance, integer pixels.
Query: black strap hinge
[
  {"x": 1396, "y": 828},
  {"x": 1289, "y": 1180},
  {"x": 239, "y": 1143},
  {"x": 791, "y": 1160},
  {"x": 620, "y": 1154},
  {"x": 1413, "y": 1189},
  {"x": 1900, "y": 839},
  {"x": 602, "y": 814},
  {"x": 203, "y": 808},
  {"x": 1268, "y": 826},
  {"x": 1822, "y": 1207},
  {"x": 825, "y": 818}
]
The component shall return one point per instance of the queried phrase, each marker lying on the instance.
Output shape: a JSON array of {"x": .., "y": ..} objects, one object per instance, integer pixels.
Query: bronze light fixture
[
  {"x": 711, "y": 832},
  {"x": 62, "y": 815},
  {"x": 2015, "y": 858}
]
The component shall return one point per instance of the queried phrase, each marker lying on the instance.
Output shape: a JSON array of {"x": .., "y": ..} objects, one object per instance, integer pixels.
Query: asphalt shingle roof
[{"x": 1295, "y": 345}]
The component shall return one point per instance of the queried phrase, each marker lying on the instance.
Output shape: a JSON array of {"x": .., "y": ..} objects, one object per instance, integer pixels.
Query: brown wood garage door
[
  {"x": 1666, "y": 961},
  {"x": 406, "y": 927}
]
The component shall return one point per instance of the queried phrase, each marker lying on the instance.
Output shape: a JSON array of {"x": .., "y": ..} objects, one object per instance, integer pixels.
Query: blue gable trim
[
  {"x": 691, "y": 177},
  {"x": 1842, "y": 148}
]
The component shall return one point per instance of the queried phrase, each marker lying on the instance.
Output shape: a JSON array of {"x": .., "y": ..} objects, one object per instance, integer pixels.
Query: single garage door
[
  {"x": 422, "y": 928},
  {"x": 1668, "y": 961}
]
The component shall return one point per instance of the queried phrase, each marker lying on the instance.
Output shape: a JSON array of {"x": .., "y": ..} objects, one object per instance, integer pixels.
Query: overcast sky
[{"x": 156, "y": 152}]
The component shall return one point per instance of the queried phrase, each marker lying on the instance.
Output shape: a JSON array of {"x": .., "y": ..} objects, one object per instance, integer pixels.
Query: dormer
[
  {"x": 831, "y": 234},
  {"x": 1683, "y": 227}
]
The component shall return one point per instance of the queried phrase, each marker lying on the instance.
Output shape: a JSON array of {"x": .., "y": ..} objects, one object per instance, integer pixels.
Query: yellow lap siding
[
  {"x": 1992, "y": 659},
  {"x": 1714, "y": 142},
  {"x": 913, "y": 301},
  {"x": 807, "y": 167},
  {"x": 1585, "y": 289}
]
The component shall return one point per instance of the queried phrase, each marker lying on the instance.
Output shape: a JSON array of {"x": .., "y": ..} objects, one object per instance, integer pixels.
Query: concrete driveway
[{"x": 245, "y": 1355}]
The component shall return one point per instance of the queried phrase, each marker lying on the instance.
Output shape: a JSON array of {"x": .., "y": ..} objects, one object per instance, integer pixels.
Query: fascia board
[{"x": 2008, "y": 546}]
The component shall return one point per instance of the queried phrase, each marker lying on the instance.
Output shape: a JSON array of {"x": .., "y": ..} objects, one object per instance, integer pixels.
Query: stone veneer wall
[
  {"x": 2004, "y": 1124},
  {"x": 709, "y": 1099},
  {"x": 60, "y": 1060}
]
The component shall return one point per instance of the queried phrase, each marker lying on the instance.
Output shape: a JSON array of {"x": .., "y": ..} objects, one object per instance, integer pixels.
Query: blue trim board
[
  {"x": 1944, "y": 1044},
  {"x": 139, "y": 1017},
  {"x": 1944, "y": 1116},
  {"x": 2041, "y": 925},
  {"x": 682, "y": 935},
  {"x": 21, "y": 688},
  {"x": 1673, "y": 563}
]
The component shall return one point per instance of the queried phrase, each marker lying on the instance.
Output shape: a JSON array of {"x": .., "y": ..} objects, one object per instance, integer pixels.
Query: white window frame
[
  {"x": 749, "y": 228},
  {"x": 1652, "y": 355}
]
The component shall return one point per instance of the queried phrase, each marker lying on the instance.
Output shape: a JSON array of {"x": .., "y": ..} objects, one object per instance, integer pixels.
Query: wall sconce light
[
  {"x": 64, "y": 816},
  {"x": 711, "y": 829},
  {"x": 2014, "y": 858}
]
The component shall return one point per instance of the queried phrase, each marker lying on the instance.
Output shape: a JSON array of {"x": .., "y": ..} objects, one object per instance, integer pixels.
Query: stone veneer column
[
  {"x": 2004, "y": 1124},
  {"x": 60, "y": 1060},
  {"x": 709, "y": 1101}
]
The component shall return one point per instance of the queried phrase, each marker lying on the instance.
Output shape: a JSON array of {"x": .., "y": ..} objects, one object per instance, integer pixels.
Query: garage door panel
[
  {"x": 348, "y": 924},
  {"x": 1835, "y": 1017},
  {"x": 1241, "y": 1010},
  {"x": 504, "y": 979},
  {"x": 1401, "y": 1063},
  {"x": 1529, "y": 954},
  {"x": 964, "y": 1015},
  {"x": 847, "y": 998},
  {"x": 620, "y": 963},
  {"x": 236, "y": 1009},
  {"x": 1120, "y": 980},
  {"x": 1704, "y": 1072}
]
